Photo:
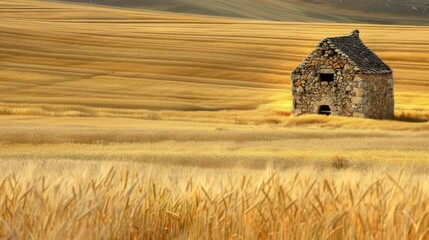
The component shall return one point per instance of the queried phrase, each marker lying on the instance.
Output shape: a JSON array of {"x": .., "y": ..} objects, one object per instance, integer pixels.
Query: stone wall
[
  {"x": 309, "y": 93},
  {"x": 350, "y": 94},
  {"x": 379, "y": 94}
]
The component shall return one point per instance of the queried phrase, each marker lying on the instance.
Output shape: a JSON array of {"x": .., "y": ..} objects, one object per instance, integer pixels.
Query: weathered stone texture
[
  {"x": 310, "y": 93},
  {"x": 353, "y": 92},
  {"x": 380, "y": 96}
]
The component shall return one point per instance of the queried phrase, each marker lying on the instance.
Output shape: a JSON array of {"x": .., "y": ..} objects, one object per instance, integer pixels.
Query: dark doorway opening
[
  {"x": 325, "y": 110},
  {"x": 326, "y": 77}
]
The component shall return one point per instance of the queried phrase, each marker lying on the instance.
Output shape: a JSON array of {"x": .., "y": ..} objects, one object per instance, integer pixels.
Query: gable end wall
[{"x": 309, "y": 93}]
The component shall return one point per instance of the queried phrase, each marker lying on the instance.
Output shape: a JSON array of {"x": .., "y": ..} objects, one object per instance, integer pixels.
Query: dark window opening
[
  {"x": 294, "y": 104},
  {"x": 325, "y": 110},
  {"x": 326, "y": 77}
]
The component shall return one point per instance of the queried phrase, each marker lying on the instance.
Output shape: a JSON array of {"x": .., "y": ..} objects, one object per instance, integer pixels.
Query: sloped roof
[{"x": 365, "y": 59}]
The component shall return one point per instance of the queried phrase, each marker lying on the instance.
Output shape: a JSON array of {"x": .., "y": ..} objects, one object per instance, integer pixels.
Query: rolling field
[
  {"x": 149, "y": 125},
  {"x": 344, "y": 11},
  {"x": 84, "y": 61}
]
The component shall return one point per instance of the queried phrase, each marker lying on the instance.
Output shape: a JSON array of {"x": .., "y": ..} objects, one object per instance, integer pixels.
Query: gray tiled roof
[{"x": 365, "y": 59}]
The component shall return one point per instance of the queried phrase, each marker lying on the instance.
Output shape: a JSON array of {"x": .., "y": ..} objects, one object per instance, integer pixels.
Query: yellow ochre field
[{"x": 137, "y": 124}]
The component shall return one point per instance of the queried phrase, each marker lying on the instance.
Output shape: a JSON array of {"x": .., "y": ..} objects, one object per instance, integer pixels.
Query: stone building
[{"x": 343, "y": 77}]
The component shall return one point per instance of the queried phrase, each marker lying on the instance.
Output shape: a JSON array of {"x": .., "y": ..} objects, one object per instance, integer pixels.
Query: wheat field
[
  {"x": 137, "y": 124},
  {"x": 135, "y": 201}
]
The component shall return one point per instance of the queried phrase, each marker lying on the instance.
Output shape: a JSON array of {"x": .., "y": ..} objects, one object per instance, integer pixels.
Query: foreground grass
[
  {"x": 98, "y": 200},
  {"x": 114, "y": 178}
]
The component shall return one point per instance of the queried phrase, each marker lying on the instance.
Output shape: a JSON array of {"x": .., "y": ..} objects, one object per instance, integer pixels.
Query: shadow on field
[{"x": 407, "y": 117}]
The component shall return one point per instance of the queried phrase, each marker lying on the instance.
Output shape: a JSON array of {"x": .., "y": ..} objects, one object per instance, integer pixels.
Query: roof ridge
[{"x": 354, "y": 48}]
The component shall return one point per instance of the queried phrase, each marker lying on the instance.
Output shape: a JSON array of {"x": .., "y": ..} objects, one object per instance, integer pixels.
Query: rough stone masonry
[{"x": 343, "y": 77}]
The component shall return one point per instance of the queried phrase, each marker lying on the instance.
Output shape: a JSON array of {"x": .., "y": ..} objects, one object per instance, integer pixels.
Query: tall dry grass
[{"x": 93, "y": 200}]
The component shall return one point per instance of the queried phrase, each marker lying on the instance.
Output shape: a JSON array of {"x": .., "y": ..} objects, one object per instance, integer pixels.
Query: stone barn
[{"x": 342, "y": 77}]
